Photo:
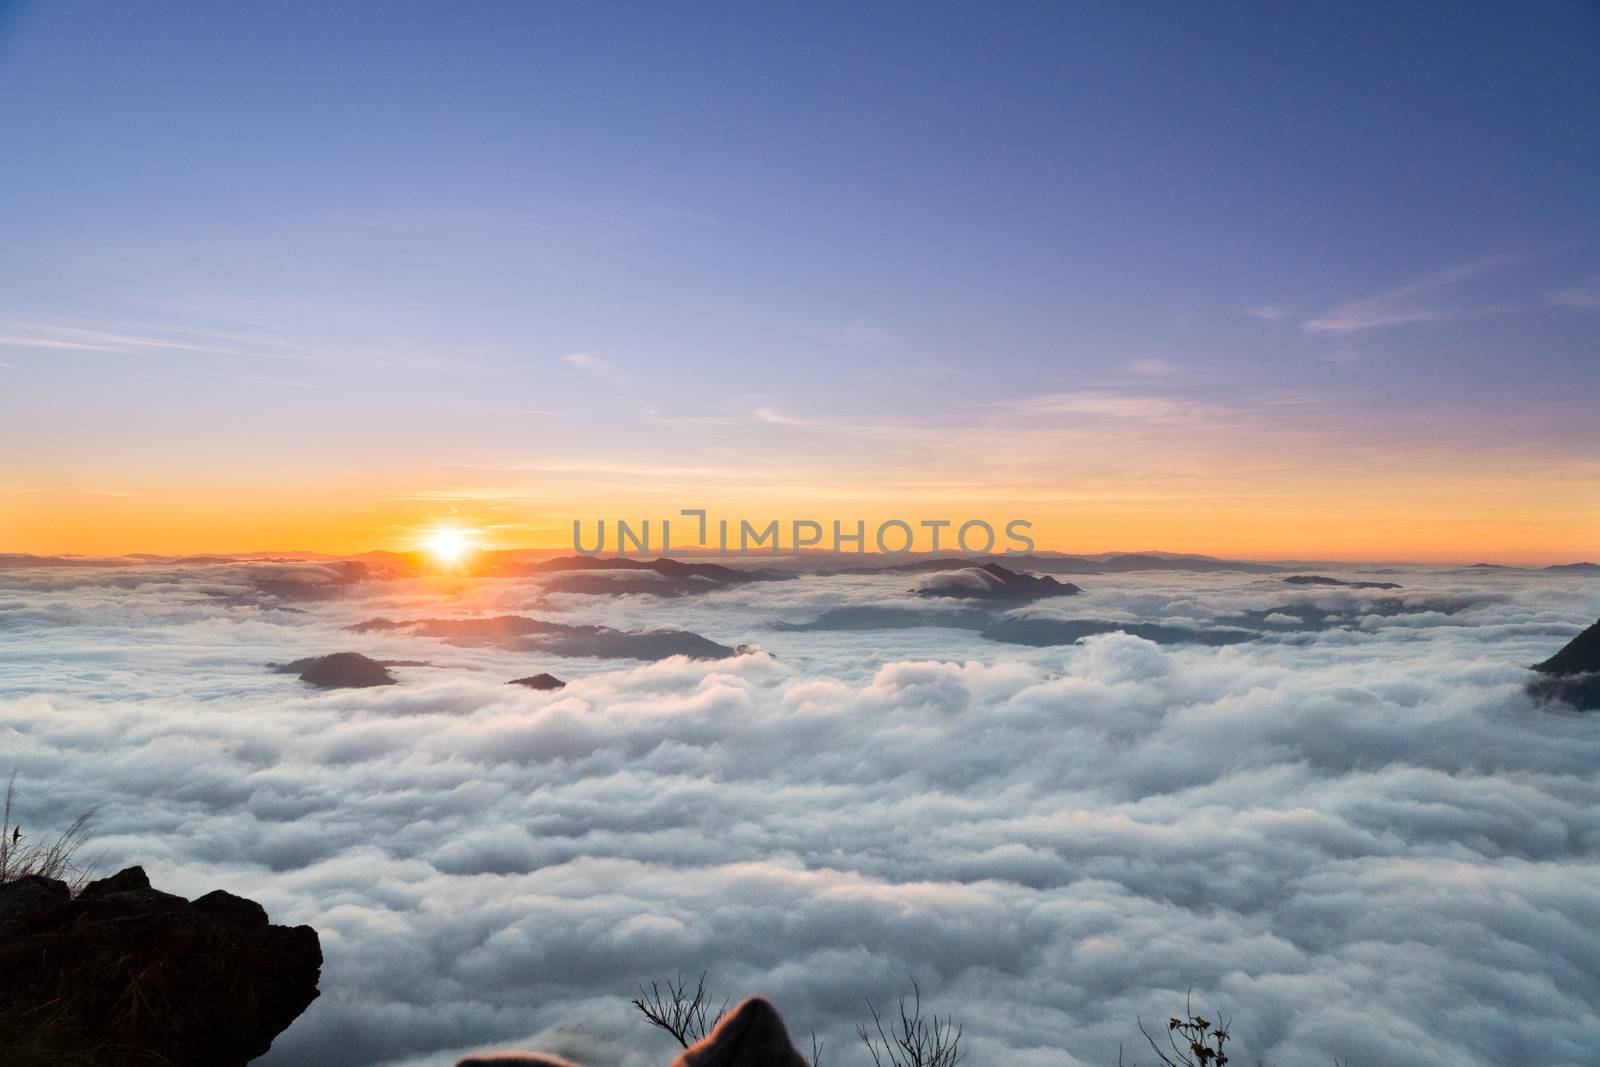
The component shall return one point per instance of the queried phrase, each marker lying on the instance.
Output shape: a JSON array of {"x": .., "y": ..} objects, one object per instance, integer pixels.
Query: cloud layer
[{"x": 1357, "y": 836}]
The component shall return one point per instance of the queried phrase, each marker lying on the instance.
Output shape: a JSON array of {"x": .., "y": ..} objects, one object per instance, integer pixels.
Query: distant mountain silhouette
[
  {"x": 1573, "y": 674},
  {"x": 1117, "y": 563},
  {"x": 522, "y": 634},
  {"x": 994, "y": 582},
  {"x": 539, "y": 681},
  {"x": 1317, "y": 579},
  {"x": 859, "y": 617},
  {"x": 1306, "y": 615},
  {"x": 1043, "y": 632},
  {"x": 1575, "y": 568},
  {"x": 619, "y": 576},
  {"x": 340, "y": 670}
]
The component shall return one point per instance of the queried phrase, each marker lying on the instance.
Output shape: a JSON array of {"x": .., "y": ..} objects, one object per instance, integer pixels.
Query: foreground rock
[
  {"x": 149, "y": 976},
  {"x": 752, "y": 1035},
  {"x": 1572, "y": 675}
]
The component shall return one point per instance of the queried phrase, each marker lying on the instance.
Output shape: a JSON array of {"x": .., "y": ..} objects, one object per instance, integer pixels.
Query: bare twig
[
  {"x": 911, "y": 1040},
  {"x": 683, "y": 1013}
]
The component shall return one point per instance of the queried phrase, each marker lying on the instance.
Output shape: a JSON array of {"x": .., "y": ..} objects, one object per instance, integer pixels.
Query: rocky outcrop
[
  {"x": 124, "y": 974},
  {"x": 752, "y": 1035},
  {"x": 1572, "y": 676},
  {"x": 539, "y": 681},
  {"x": 341, "y": 670}
]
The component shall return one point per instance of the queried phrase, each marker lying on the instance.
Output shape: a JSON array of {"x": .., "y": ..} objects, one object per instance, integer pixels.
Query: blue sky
[{"x": 264, "y": 235}]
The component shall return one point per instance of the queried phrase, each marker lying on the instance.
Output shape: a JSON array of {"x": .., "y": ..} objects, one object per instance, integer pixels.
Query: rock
[
  {"x": 163, "y": 980},
  {"x": 539, "y": 681},
  {"x": 752, "y": 1035},
  {"x": 1572, "y": 675},
  {"x": 341, "y": 670}
]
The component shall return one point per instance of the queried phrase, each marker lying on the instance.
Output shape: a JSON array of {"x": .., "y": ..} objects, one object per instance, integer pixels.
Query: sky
[{"x": 1245, "y": 279}]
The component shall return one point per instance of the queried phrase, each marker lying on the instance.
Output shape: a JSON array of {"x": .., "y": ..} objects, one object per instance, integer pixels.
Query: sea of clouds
[{"x": 1360, "y": 840}]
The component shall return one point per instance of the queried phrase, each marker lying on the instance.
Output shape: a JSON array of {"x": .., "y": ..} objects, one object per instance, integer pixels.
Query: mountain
[
  {"x": 522, "y": 634},
  {"x": 341, "y": 670},
  {"x": 1581, "y": 655},
  {"x": 994, "y": 582},
  {"x": 1130, "y": 562},
  {"x": 1044, "y": 632},
  {"x": 1573, "y": 674},
  {"x": 539, "y": 681},
  {"x": 1317, "y": 579},
  {"x": 1575, "y": 568}
]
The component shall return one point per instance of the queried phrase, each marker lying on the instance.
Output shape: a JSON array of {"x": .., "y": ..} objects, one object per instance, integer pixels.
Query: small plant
[
  {"x": 682, "y": 1013},
  {"x": 686, "y": 1014},
  {"x": 1192, "y": 1041},
  {"x": 21, "y": 856},
  {"x": 911, "y": 1040}
]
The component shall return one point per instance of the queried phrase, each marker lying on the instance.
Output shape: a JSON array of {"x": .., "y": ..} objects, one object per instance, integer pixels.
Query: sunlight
[{"x": 448, "y": 546}]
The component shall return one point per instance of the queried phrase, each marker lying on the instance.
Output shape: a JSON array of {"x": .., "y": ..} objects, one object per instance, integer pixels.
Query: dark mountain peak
[
  {"x": 1581, "y": 655},
  {"x": 993, "y": 582},
  {"x": 1572, "y": 675},
  {"x": 1318, "y": 579},
  {"x": 539, "y": 681},
  {"x": 340, "y": 670}
]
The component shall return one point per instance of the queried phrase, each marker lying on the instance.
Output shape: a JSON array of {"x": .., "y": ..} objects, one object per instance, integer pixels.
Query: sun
[{"x": 448, "y": 546}]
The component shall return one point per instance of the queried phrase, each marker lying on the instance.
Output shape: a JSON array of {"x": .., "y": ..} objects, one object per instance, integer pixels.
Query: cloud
[
  {"x": 864, "y": 333},
  {"x": 600, "y": 368},
  {"x": 1407, "y": 303},
  {"x": 1584, "y": 295},
  {"x": 1268, "y": 312},
  {"x": 778, "y": 418},
  {"x": 1151, "y": 368},
  {"x": 1111, "y": 405},
  {"x": 1359, "y": 840}
]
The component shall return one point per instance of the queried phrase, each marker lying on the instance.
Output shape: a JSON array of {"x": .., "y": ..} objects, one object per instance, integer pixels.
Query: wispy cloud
[
  {"x": 590, "y": 363},
  {"x": 1269, "y": 312},
  {"x": 1151, "y": 368},
  {"x": 778, "y": 418},
  {"x": 1105, "y": 404},
  {"x": 865, "y": 333},
  {"x": 1407, "y": 303},
  {"x": 88, "y": 340},
  {"x": 1583, "y": 295},
  {"x": 50, "y": 342}
]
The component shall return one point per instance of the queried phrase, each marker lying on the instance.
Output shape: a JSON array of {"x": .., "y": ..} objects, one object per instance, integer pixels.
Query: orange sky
[{"x": 1367, "y": 514}]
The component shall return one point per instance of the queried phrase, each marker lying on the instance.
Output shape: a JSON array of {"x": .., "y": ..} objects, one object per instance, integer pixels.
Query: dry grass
[{"x": 21, "y": 855}]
